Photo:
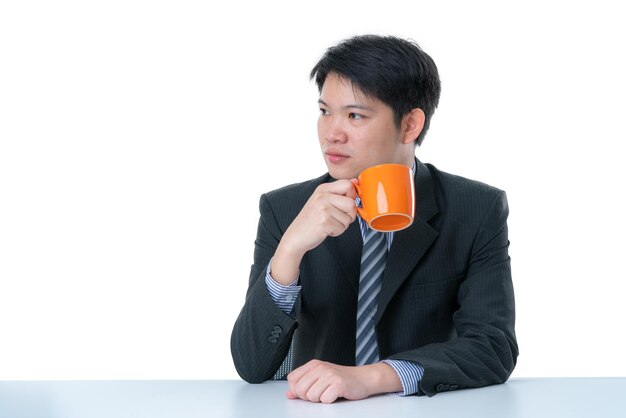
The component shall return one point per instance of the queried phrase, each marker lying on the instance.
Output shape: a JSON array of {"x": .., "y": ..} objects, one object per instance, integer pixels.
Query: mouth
[{"x": 335, "y": 157}]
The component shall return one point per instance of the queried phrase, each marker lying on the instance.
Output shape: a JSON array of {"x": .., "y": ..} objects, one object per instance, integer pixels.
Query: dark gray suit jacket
[{"x": 446, "y": 300}]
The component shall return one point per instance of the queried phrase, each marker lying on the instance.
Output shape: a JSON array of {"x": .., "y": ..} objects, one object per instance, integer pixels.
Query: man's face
[{"x": 356, "y": 132}]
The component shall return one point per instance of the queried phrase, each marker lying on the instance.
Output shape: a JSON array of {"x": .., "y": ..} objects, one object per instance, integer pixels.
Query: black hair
[{"x": 390, "y": 69}]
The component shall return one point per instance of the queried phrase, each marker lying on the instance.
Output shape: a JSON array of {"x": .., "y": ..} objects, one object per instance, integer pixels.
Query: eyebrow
[{"x": 350, "y": 106}]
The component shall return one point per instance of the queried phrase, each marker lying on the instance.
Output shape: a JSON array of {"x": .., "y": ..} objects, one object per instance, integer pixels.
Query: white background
[{"x": 137, "y": 136}]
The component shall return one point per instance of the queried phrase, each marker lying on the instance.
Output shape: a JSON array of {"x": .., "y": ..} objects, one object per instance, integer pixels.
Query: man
[{"x": 443, "y": 313}]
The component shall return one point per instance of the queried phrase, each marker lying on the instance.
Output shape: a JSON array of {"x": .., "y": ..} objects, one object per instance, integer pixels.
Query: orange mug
[{"x": 387, "y": 194}]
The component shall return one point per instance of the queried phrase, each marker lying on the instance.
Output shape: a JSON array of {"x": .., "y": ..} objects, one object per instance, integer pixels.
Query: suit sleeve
[
  {"x": 262, "y": 332},
  {"x": 485, "y": 350}
]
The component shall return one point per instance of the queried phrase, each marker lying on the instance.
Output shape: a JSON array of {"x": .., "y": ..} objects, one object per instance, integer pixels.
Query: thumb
[{"x": 353, "y": 193}]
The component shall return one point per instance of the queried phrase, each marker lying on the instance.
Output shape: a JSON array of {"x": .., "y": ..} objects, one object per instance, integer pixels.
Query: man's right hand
[{"x": 329, "y": 212}]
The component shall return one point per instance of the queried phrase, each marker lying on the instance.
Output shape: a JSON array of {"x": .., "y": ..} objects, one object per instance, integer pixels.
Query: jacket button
[
  {"x": 275, "y": 334},
  {"x": 440, "y": 387},
  {"x": 453, "y": 387}
]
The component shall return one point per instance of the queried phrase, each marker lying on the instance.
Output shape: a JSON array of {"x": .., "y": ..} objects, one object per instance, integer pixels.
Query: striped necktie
[{"x": 373, "y": 261}]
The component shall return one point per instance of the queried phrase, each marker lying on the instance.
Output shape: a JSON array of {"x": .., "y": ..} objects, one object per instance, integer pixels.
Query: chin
[{"x": 341, "y": 174}]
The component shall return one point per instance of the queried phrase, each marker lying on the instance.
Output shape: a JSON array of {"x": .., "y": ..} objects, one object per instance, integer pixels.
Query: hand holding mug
[{"x": 328, "y": 212}]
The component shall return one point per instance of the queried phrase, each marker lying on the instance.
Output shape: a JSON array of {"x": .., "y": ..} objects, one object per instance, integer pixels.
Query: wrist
[
  {"x": 383, "y": 379},
  {"x": 288, "y": 246},
  {"x": 285, "y": 264}
]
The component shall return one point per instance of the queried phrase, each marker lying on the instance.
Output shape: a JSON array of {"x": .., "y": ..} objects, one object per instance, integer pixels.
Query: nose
[{"x": 334, "y": 131}]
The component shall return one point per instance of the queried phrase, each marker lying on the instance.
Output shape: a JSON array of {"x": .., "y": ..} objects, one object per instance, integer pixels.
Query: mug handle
[{"x": 359, "y": 210}]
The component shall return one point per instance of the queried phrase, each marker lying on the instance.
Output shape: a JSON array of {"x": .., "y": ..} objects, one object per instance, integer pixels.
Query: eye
[
  {"x": 323, "y": 112},
  {"x": 355, "y": 116}
]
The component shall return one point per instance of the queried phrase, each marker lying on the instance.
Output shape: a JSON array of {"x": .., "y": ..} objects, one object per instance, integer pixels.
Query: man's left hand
[{"x": 319, "y": 381}]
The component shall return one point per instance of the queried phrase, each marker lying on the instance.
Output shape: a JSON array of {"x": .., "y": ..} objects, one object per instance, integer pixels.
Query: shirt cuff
[
  {"x": 283, "y": 296},
  {"x": 409, "y": 373}
]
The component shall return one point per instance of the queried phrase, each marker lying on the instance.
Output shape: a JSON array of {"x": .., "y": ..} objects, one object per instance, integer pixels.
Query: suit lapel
[{"x": 410, "y": 245}]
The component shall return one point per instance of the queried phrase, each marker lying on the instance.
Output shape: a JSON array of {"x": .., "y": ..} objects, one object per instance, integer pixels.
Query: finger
[
  {"x": 291, "y": 395},
  {"x": 340, "y": 187},
  {"x": 316, "y": 390},
  {"x": 304, "y": 384},
  {"x": 330, "y": 395},
  {"x": 346, "y": 204},
  {"x": 301, "y": 379},
  {"x": 296, "y": 374},
  {"x": 352, "y": 194},
  {"x": 332, "y": 221},
  {"x": 339, "y": 220}
]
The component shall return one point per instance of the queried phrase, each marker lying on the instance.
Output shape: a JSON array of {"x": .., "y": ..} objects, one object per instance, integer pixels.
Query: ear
[{"x": 412, "y": 125}]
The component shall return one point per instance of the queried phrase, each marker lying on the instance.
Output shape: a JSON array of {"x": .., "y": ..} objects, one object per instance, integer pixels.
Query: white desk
[{"x": 533, "y": 398}]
